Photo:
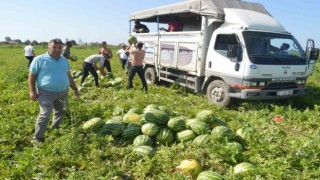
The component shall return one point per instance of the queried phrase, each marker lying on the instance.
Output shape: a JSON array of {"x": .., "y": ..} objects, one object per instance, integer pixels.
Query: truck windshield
[{"x": 273, "y": 48}]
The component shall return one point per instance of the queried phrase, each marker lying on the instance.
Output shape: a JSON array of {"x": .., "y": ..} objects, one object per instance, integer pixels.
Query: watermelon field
[{"x": 168, "y": 133}]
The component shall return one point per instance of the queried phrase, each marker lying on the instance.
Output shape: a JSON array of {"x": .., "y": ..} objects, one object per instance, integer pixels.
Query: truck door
[{"x": 230, "y": 69}]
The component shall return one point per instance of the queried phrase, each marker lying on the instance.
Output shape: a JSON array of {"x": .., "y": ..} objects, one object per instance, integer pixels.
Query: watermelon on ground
[
  {"x": 185, "y": 135},
  {"x": 202, "y": 140},
  {"x": 217, "y": 122},
  {"x": 93, "y": 125},
  {"x": 199, "y": 127},
  {"x": 243, "y": 167},
  {"x": 131, "y": 118},
  {"x": 144, "y": 151},
  {"x": 165, "y": 136},
  {"x": 190, "y": 167},
  {"x": 210, "y": 175},
  {"x": 222, "y": 132},
  {"x": 157, "y": 116},
  {"x": 150, "y": 129},
  {"x": 131, "y": 132},
  {"x": 142, "y": 140},
  {"x": 177, "y": 124},
  {"x": 151, "y": 107},
  {"x": 205, "y": 116},
  {"x": 112, "y": 127}
]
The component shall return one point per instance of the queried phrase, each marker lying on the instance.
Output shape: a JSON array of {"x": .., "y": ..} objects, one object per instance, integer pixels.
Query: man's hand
[{"x": 33, "y": 96}]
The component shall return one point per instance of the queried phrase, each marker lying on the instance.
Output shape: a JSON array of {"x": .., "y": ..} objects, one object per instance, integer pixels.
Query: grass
[{"x": 286, "y": 150}]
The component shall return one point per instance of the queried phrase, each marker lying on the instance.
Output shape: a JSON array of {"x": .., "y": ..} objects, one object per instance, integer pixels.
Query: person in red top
[
  {"x": 137, "y": 59},
  {"x": 173, "y": 25}
]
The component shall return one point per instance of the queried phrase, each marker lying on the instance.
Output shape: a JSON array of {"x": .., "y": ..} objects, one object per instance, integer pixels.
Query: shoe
[{"x": 36, "y": 143}]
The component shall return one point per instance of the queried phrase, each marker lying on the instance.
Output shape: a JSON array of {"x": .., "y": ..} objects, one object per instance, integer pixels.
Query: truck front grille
[{"x": 282, "y": 85}]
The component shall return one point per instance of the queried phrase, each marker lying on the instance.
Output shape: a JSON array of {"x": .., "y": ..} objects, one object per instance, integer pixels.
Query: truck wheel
[
  {"x": 150, "y": 75},
  {"x": 217, "y": 93}
]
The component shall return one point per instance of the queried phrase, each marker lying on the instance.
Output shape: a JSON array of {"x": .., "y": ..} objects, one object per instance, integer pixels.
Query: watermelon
[
  {"x": 131, "y": 118},
  {"x": 142, "y": 140},
  {"x": 75, "y": 58},
  {"x": 190, "y": 167},
  {"x": 151, "y": 107},
  {"x": 166, "y": 109},
  {"x": 119, "y": 118},
  {"x": 221, "y": 132},
  {"x": 245, "y": 132},
  {"x": 185, "y": 135},
  {"x": 83, "y": 89},
  {"x": 157, "y": 116},
  {"x": 199, "y": 127},
  {"x": 188, "y": 121},
  {"x": 150, "y": 129},
  {"x": 93, "y": 125},
  {"x": 205, "y": 116},
  {"x": 135, "y": 110},
  {"x": 131, "y": 132},
  {"x": 78, "y": 74},
  {"x": 165, "y": 136},
  {"x": 217, "y": 122},
  {"x": 135, "y": 125},
  {"x": 202, "y": 140},
  {"x": 243, "y": 167},
  {"x": 112, "y": 127},
  {"x": 177, "y": 124},
  {"x": 86, "y": 84},
  {"x": 144, "y": 151},
  {"x": 210, "y": 175},
  {"x": 235, "y": 147},
  {"x": 132, "y": 39}
]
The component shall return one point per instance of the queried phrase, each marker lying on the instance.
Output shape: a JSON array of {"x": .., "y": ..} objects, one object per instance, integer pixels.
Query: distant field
[{"x": 286, "y": 150}]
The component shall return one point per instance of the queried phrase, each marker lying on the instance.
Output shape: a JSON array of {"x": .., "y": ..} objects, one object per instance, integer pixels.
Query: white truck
[{"x": 227, "y": 49}]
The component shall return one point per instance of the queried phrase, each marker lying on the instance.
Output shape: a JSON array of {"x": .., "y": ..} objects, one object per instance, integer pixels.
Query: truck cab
[{"x": 226, "y": 50}]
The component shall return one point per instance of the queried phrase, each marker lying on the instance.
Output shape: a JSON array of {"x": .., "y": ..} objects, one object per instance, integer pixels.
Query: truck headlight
[{"x": 262, "y": 83}]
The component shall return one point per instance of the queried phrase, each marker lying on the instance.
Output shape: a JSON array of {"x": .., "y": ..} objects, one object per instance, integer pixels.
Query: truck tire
[
  {"x": 150, "y": 75},
  {"x": 217, "y": 93}
]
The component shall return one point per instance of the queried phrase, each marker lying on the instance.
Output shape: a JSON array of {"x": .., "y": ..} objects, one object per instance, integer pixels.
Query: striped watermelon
[
  {"x": 205, "y": 116},
  {"x": 177, "y": 124},
  {"x": 131, "y": 132},
  {"x": 235, "y": 147},
  {"x": 131, "y": 118},
  {"x": 202, "y": 140},
  {"x": 210, "y": 175},
  {"x": 199, "y": 127},
  {"x": 135, "y": 110},
  {"x": 144, "y": 151},
  {"x": 150, "y": 107},
  {"x": 165, "y": 136},
  {"x": 150, "y": 129},
  {"x": 188, "y": 121},
  {"x": 217, "y": 122},
  {"x": 142, "y": 140},
  {"x": 246, "y": 132},
  {"x": 243, "y": 167},
  {"x": 190, "y": 167},
  {"x": 222, "y": 131},
  {"x": 112, "y": 127},
  {"x": 185, "y": 135},
  {"x": 157, "y": 116},
  {"x": 166, "y": 109},
  {"x": 93, "y": 125}
]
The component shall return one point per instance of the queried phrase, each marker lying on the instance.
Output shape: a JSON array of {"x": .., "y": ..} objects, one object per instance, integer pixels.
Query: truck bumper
[{"x": 268, "y": 94}]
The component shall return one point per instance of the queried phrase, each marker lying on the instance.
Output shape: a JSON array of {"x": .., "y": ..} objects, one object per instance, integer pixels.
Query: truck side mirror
[
  {"x": 232, "y": 51},
  {"x": 314, "y": 54}
]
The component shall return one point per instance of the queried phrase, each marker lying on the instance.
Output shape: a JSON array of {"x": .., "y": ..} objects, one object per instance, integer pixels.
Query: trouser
[
  {"x": 30, "y": 58},
  {"x": 132, "y": 71},
  {"x": 88, "y": 67},
  {"x": 48, "y": 102},
  {"x": 107, "y": 65},
  {"x": 123, "y": 63}
]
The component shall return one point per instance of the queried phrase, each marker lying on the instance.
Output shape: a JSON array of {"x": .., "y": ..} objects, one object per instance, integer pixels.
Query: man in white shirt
[
  {"x": 123, "y": 55},
  {"x": 89, "y": 65},
  {"x": 29, "y": 53}
]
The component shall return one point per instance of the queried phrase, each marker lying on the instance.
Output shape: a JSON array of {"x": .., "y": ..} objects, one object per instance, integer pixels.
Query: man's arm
[
  {"x": 73, "y": 86},
  {"x": 110, "y": 53},
  {"x": 32, "y": 86}
]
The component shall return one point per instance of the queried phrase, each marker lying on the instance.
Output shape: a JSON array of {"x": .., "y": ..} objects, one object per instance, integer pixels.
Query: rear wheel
[
  {"x": 217, "y": 93},
  {"x": 150, "y": 75}
]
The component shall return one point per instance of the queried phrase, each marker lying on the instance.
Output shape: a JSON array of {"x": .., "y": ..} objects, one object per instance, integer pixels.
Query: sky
[{"x": 108, "y": 20}]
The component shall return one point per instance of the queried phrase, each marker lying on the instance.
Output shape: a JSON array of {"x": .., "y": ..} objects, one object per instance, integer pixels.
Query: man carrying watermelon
[
  {"x": 49, "y": 81},
  {"x": 137, "y": 58},
  {"x": 66, "y": 51}
]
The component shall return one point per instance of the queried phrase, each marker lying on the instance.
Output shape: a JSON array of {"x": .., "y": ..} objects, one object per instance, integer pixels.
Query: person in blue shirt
[{"x": 49, "y": 80}]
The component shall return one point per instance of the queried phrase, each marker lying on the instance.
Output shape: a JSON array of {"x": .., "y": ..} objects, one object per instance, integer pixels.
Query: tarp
[{"x": 212, "y": 8}]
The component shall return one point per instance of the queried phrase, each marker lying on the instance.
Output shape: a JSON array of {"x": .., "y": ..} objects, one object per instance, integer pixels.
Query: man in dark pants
[
  {"x": 89, "y": 65},
  {"x": 137, "y": 58}
]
